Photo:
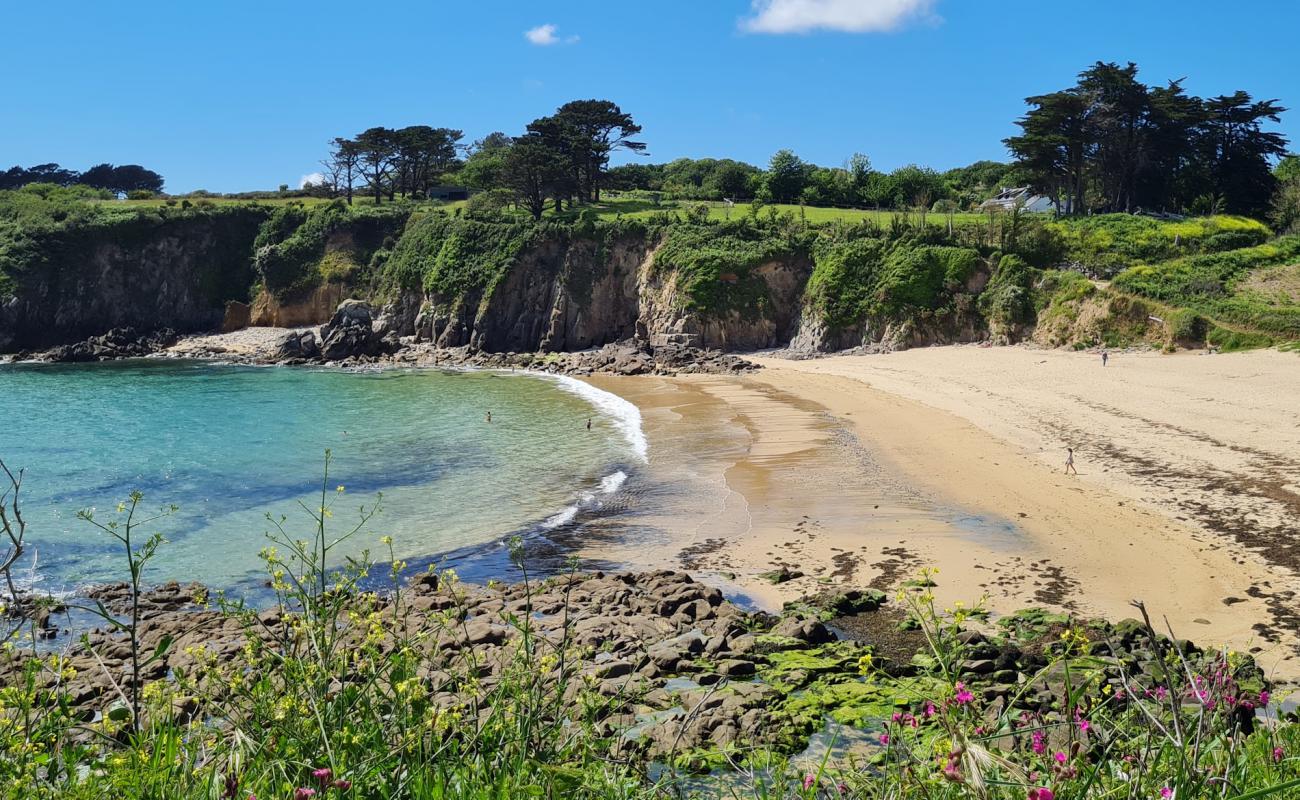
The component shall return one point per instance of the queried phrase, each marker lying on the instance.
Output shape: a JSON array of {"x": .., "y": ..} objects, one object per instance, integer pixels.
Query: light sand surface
[
  {"x": 243, "y": 343},
  {"x": 859, "y": 470}
]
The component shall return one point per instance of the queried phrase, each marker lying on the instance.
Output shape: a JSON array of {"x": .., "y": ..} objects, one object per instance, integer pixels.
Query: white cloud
[
  {"x": 851, "y": 16},
  {"x": 545, "y": 35},
  {"x": 316, "y": 178}
]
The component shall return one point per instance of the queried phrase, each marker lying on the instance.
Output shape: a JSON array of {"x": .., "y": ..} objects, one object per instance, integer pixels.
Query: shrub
[
  {"x": 291, "y": 248},
  {"x": 1007, "y": 302},
  {"x": 489, "y": 204},
  {"x": 716, "y": 263},
  {"x": 1228, "y": 340},
  {"x": 1185, "y": 326}
]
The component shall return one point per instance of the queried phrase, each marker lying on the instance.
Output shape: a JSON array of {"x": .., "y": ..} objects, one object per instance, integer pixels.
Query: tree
[
  {"x": 1287, "y": 169},
  {"x": 787, "y": 175},
  {"x": 1111, "y": 143},
  {"x": 1053, "y": 148},
  {"x": 1118, "y": 114},
  {"x": 422, "y": 154},
  {"x": 859, "y": 168},
  {"x": 1286, "y": 205},
  {"x": 559, "y": 137},
  {"x": 482, "y": 169},
  {"x": 122, "y": 180},
  {"x": 343, "y": 166},
  {"x": 532, "y": 168},
  {"x": 595, "y": 129},
  {"x": 730, "y": 180},
  {"x": 1238, "y": 154},
  {"x": 377, "y": 152},
  {"x": 17, "y": 177},
  {"x": 915, "y": 187}
]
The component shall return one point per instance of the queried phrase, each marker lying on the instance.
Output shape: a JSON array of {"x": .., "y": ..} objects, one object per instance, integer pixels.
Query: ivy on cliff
[
  {"x": 51, "y": 236},
  {"x": 855, "y": 277},
  {"x": 717, "y": 263},
  {"x": 298, "y": 249}
]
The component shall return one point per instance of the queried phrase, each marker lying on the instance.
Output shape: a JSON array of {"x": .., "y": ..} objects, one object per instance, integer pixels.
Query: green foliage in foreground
[{"x": 331, "y": 698}]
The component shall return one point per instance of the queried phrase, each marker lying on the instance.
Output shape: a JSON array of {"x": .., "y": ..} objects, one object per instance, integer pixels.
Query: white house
[{"x": 1009, "y": 199}]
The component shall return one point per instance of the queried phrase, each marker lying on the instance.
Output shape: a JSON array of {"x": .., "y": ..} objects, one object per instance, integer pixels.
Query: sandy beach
[{"x": 861, "y": 469}]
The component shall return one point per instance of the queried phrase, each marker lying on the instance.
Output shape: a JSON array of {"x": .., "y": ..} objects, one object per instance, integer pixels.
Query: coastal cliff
[
  {"x": 169, "y": 269},
  {"x": 500, "y": 284}
]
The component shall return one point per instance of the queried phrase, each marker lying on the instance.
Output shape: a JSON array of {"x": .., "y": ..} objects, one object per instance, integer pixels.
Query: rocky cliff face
[
  {"x": 553, "y": 288},
  {"x": 161, "y": 273},
  {"x": 573, "y": 295}
]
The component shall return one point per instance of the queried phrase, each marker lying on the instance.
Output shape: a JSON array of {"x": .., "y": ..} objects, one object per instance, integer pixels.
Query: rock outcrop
[
  {"x": 117, "y": 343},
  {"x": 351, "y": 333},
  {"x": 169, "y": 269}
]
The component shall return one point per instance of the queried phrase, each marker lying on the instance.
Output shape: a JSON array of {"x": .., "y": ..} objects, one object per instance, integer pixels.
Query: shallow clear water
[{"x": 230, "y": 445}]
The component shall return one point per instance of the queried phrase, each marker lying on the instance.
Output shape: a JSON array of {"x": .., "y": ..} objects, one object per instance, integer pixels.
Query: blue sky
[{"x": 235, "y": 95}]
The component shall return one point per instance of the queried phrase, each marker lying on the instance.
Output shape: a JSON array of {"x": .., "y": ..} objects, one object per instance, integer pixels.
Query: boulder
[
  {"x": 299, "y": 344},
  {"x": 350, "y": 333},
  {"x": 805, "y": 630}
]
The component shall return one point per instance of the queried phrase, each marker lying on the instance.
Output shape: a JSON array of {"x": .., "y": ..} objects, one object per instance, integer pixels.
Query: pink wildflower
[
  {"x": 1161, "y": 693},
  {"x": 898, "y": 717},
  {"x": 1084, "y": 725},
  {"x": 1166, "y": 792},
  {"x": 963, "y": 696},
  {"x": 809, "y": 782},
  {"x": 1263, "y": 698},
  {"x": 1039, "y": 746},
  {"x": 324, "y": 775},
  {"x": 884, "y": 738},
  {"x": 929, "y": 709},
  {"x": 1041, "y": 794},
  {"x": 1060, "y": 757},
  {"x": 1277, "y": 755},
  {"x": 342, "y": 785},
  {"x": 303, "y": 793},
  {"x": 843, "y": 788}
]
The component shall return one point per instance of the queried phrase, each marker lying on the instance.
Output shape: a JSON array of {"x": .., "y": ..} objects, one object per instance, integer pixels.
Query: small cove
[{"x": 231, "y": 445}]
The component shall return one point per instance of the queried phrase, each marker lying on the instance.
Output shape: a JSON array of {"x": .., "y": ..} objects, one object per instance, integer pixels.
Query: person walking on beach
[
  {"x": 1069, "y": 462},
  {"x": 489, "y": 417},
  {"x": 588, "y": 423},
  {"x": 1104, "y": 357}
]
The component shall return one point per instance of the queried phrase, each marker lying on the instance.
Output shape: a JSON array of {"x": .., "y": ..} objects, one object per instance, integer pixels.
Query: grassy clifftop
[{"x": 1095, "y": 280}]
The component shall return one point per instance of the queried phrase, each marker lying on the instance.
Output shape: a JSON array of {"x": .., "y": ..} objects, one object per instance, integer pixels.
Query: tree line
[
  {"x": 790, "y": 179},
  {"x": 1112, "y": 143},
  {"x": 560, "y": 158},
  {"x": 120, "y": 180}
]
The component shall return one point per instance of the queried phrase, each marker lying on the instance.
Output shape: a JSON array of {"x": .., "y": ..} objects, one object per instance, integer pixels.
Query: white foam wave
[
  {"x": 625, "y": 415},
  {"x": 608, "y": 485}
]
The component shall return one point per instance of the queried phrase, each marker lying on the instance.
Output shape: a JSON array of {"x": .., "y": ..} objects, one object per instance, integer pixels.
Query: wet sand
[{"x": 860, "y": 470}]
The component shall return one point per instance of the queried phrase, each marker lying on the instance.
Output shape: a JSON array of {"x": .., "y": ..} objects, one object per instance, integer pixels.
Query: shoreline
[
  {"x": 857, "y": 471},
  {"x": 854, "y": 484}
]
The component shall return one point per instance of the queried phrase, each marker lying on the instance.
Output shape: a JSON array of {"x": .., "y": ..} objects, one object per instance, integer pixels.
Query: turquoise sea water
[{"x": 229, "y": 445}]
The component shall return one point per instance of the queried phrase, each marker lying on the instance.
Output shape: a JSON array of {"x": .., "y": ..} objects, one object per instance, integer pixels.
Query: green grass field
[
  {"x": 616, "y": 206},
  {"x": 612, "y": 207}
]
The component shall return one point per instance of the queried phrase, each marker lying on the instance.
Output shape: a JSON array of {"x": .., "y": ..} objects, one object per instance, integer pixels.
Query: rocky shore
[
  {"x": 683, "y": 675},
  {"x": 357, "y": 337}
]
